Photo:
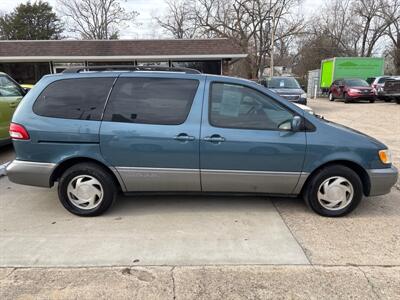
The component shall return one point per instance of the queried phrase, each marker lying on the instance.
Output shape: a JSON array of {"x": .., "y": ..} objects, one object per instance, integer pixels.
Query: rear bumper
[
  {"x": 382, "y": 180},
  {"x": 388, "y": 94},
  {"x": 30, "y": 173}
]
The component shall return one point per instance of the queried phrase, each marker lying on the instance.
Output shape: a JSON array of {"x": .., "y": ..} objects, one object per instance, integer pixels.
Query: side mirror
[
  {"x": 291, "y": 124},
  {"x": 296, "y": 123}
]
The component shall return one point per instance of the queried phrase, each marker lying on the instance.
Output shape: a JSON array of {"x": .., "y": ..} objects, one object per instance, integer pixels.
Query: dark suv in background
[
  {"x": 351, "y": 90},
  {"x": 286, "y": 87}
]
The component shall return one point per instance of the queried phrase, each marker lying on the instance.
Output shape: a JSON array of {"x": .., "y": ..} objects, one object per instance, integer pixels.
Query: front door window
[{"x": 237, "y": 106}]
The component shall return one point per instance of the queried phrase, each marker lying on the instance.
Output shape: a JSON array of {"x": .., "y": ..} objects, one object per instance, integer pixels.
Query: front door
[
  {"x": 150, "y": 131},
  {"x": 246, "y": 142}
]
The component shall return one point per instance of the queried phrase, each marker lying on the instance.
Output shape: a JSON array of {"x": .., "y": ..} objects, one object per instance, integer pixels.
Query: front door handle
[
  {"x": 183, "y": 137},
  {"x": 215, "y": 138}
]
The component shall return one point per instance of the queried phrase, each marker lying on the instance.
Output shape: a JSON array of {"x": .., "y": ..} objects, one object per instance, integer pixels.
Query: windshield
[
  {"x": 282, "y": 83},
  {"x": 383, "y": 79},
  {"x": 356, "y": 82}
]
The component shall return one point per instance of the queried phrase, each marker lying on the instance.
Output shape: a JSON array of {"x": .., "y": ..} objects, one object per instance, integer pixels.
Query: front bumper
[
  {"x": 299, "y": 100},
  {"x": 357, "y": 96},
  {"x": 382, "y": 180},
  {"x": 30, "y": 173}
]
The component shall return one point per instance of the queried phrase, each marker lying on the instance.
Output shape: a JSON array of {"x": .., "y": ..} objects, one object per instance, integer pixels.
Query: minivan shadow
[{"x": 166, "y": 204}]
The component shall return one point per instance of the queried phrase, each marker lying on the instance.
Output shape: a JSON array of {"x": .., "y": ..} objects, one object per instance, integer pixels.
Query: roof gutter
[{"x": 118, "y": 57}]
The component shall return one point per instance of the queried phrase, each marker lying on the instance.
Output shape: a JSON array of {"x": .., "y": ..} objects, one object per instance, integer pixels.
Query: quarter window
[
  {"x": 237, "y": 106},
  {"x": 151, "y": 100},
  {"x": 81, "y": 98}
]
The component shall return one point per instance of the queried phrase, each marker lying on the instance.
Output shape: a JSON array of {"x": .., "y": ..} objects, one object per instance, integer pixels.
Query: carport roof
[{"x": 45, "y": 50}]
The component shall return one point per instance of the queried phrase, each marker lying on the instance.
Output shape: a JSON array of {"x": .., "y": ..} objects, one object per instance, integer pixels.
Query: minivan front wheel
[
  {"x": 86, "y": 189},
  {"x": 334, "y": 191}
]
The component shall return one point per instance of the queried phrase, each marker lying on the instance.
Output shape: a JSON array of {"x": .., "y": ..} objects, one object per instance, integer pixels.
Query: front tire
[
  {"x": 346, "y": 99},
  {"x": 330, "y": 97},
  {"x": 333, "y": 191},
  {"x": 86, "y": 189}
]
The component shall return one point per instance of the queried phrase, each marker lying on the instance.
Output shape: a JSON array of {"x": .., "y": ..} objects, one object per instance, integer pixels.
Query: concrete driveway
[
  {"x": 162, "y": 230},
  {"x": 207, "y": 247}
]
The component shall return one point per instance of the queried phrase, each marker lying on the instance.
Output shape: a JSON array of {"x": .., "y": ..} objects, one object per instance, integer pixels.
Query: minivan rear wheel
[
  {"x": 86, "y": 189},
  {"x": 334, "y": 191}
]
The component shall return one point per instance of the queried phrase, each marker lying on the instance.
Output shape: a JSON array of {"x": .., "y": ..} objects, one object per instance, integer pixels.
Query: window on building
[
  {"x": 206, "y": 66},
  {"x": 153, "y": 63},
  {"x": 28, "y": 73},
  {"x": 151, "y": 100},
  {"x": 81, "y": 98},
  {"x": 59, "y": 67},
  {"x": 238, "y": 106}
]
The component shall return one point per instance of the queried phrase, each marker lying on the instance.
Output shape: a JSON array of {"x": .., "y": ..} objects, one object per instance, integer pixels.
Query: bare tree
[
  {"x": 391, "y": 11},
  {"x": 370, "y": 24},
  {"x": 355, "y": 26},
  {"x": 179, "y": 20},
  {"x": 251, "y": 24},
  {"x": 95, "y": 19}
]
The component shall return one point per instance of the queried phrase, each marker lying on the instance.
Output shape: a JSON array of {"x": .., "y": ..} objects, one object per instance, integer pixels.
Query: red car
[{"x": 351, "y": 90}]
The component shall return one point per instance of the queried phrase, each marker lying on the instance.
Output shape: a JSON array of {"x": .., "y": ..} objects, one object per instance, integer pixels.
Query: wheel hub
[
  {"x": 335, "y": 193},
  {"x": 85, "y": 192}
]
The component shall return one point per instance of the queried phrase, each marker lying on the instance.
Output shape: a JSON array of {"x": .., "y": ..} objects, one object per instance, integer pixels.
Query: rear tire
[
  {"x": 86, "y": 189},
  {"x": 333, "y": 184}
]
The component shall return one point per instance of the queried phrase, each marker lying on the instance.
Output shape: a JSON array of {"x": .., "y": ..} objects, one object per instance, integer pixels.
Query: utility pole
[{"x": 272, "y": 44}]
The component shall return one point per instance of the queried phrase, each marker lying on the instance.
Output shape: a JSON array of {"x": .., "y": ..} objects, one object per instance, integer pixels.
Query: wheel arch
[
  {"x": 63, "y": 166},
  {"x": 357, "y": 168}
]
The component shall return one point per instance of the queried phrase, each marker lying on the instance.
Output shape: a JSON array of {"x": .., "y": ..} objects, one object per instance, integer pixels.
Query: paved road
[{"x": 207, "y": 247}]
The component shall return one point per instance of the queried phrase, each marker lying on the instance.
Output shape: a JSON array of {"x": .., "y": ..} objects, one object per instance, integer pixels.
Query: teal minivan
[{"x": 152, "y": 130}]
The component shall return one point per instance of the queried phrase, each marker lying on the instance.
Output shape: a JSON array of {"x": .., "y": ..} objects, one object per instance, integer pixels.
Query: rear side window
[
  {"x": 80, "y": 98},
  {"x": 151, "y": 100}
]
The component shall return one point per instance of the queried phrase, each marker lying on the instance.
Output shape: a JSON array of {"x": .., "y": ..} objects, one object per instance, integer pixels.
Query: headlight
[
  {"x": 385, "y": 156},
  {"x": 303, "y": 95},
  {"x": 354, "y": 91}
]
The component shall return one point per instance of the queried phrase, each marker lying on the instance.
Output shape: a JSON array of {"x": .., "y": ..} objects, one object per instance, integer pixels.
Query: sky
[{"x": 146, "y": 26}]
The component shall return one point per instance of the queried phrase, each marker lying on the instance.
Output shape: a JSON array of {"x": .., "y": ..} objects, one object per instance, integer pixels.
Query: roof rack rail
[{"x": 130, "y": 68}]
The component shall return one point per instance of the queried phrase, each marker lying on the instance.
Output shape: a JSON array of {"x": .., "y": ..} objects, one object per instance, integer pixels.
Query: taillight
[{"x": 18, "y": 132}]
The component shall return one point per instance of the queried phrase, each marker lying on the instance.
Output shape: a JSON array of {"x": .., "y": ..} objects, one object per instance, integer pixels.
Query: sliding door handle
[
  {"x": 215, "y": 138},
  {"x": 183, "y": 137}
]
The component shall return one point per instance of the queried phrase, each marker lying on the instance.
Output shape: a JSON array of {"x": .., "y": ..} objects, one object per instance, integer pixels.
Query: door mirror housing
[{"x": 296, "y": 123}]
